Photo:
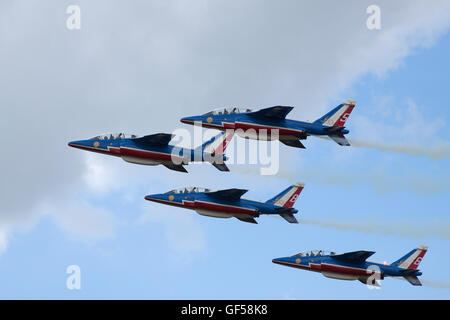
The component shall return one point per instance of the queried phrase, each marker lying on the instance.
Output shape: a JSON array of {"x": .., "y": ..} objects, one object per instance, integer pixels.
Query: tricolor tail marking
[
  {"x": 346, "y": 110},
  {"x": 220, "y": 144},
  {"x": 339, "y": 115},
  {"x": 413, "y": 259},
  {"x": 288, "y": 197}
]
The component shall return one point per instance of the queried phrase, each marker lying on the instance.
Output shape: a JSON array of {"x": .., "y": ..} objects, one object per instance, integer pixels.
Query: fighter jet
[
  {"x": 264, "y": 123},
  {"x": 228, "y": 203},
  {"x": 354, "y": 265},
  {"x": 155, "y": 149}
]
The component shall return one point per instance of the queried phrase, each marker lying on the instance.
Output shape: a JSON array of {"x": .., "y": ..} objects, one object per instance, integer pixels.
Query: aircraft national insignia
[
  {"x": 171, "y": 198},
  {"x": 96, "y": 144},
  {"x": 298, "y": 261},
  {"x": 209, "y": 119}
]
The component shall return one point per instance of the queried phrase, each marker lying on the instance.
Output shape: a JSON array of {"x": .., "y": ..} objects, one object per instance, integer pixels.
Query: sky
[{"x": 140, "y": 66}]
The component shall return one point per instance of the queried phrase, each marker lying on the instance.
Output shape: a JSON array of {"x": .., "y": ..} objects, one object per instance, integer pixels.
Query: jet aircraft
[
  {"x": 260, "y": 125},
  {"x": 354, "y": 265},
  {"x": 155, "y": 149},
  {"x": 228, "y": 203}
]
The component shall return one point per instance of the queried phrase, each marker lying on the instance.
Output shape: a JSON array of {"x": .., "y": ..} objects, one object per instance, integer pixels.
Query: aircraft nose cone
[
  {"x": 283, "y": 260},
  {"x": 191, "y": 120},
  {"x": 77, "y": 144},
  {"x": 279, "y": 260},
  {"x": 155, "y": 197}
]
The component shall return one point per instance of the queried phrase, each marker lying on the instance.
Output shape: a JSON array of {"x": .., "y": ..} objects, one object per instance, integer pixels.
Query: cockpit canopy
[
  {"x": 189, "y": 190},
  {"x": 314, "y": 253},
  {"x": 230, "y": 110},
  {"x": 111, "y": 136}
]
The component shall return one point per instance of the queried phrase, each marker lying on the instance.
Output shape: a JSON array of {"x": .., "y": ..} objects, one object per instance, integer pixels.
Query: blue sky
[{"x": 88, "y": 210}]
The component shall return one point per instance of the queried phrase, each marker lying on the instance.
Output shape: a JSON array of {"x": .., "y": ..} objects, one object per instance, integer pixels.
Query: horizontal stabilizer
[
  {"x": 159, "y": 139},
  {"x": 355, "y": 257},
  {"x": 281, "y": 210},
  {"x": 334, "y": 128},
  {"x": 413, "y": 280},
  {"x": 408, "y": 271},
  {"x": 246, "y": 218},
  {"x": 289, "y": 217},
  {"x": 228, "y": 194},
  {"x": 175, "y": 167},
  {"x": 292, "y": 143},
  {"x": 340, "y": 140},
  {"x": 220, "y": 166},
  {"x": 277, "y": 112}
]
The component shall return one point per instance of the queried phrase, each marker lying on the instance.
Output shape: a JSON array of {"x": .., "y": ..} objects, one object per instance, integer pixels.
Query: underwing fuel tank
[{"x": 215, "y": 214}]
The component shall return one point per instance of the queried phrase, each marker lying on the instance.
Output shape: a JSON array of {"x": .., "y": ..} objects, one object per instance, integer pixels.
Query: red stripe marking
[
  {"x": 222, "y": 208},
  {"x": 269, "y": 129}
]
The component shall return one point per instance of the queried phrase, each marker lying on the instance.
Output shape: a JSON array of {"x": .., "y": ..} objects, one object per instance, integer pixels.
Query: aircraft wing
[
  {"x": 220, "y": 166},
  {"x": 355, "y": 257},
  {"x": 246, "y": 218},
  {"x": 292, "y": 143},
  {"x": 340, "y": 140},
  {"x": 277, "y": 112},
  {"x": 159, "y": 139},
  {"x": 228, "y": 194},
  {"x": 175, "y": 167},
  {"x": 374, "y": 283}
]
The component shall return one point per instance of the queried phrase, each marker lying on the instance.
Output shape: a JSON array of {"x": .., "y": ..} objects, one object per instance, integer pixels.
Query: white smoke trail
[
  {"x": 383, "y": 182},
  {"x": 431, "y": 284},
  {"x": 405, "y": 229},
  {"x": 437, "y": 151},
  {"x": 436, "y": 284}
]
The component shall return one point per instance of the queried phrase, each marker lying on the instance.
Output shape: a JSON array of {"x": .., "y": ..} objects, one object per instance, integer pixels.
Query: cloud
[
  {"x": 138, "y": 68},
  {"x": 184, "y": 235},
  {"x": 84, "y": 221},
  {"x": 3, "y": 239}
]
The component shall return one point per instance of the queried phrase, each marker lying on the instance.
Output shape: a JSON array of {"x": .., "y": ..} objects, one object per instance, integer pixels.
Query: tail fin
[
  {"x": 218, "y": 144},
  {"x": 337, "y": 116},
  {"x": 213, "y": 150},
  {"x": 412, "y": 259},
  {"x": 288, "y": 197}
]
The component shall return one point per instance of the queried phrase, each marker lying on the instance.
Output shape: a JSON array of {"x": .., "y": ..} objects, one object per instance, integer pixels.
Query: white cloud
[
  {"x": 184, "y": 235},
  {"x": 3, "y": 239},
  {"x": 84, "y": 221}
]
